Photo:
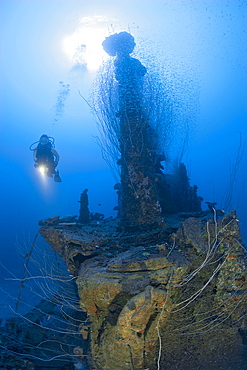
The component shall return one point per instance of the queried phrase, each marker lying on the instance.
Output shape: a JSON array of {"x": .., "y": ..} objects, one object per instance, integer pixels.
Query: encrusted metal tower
[{"x": 139, "y": 198}]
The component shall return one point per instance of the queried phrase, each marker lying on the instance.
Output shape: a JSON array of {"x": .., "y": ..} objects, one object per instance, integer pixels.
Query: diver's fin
[{"x": 57, "y": 178}]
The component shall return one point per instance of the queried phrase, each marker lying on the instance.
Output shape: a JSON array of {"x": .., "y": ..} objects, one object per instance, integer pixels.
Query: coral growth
[{"x": 151, "y": 292}]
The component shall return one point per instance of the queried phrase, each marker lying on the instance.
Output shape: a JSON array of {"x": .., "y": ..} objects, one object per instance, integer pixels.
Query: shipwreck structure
[
  {"x": 139, "y": 198},
  {"x": 146, "y": 192},
  {"x": 163, "y": 284}
]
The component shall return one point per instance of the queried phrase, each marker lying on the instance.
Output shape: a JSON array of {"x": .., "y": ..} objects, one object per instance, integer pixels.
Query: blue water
[{"x": 201, "y": 48}]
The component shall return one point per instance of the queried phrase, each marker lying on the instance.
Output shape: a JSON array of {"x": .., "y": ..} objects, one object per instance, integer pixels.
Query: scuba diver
[{"x": 46, "y": 157}]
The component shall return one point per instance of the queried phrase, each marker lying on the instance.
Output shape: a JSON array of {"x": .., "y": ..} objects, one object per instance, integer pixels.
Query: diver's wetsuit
[{"x": 45, "y": 156}]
